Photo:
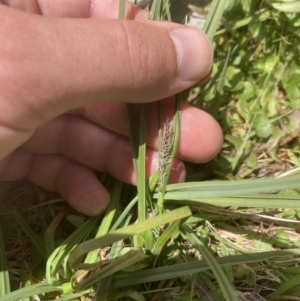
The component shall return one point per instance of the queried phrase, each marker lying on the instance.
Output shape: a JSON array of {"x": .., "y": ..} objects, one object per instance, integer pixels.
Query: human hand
[{"x": 64, "y": 79}]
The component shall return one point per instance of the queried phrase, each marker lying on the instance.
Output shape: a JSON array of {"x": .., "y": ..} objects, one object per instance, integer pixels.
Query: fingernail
[{"x": 194, "y": 53}]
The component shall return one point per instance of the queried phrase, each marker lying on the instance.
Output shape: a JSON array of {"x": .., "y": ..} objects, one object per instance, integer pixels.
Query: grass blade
[
  {"x": 128, "y": 231},
  {"x": 102, "y": 291},
  {"x": 184, "y": 269},
  {"x": 288, "y": 7},
  {"x": 219, "y": 274},
  {"x": 165, "y": 236},
  {"x": 4, "y": 277},
  {"x": 156, "y": 10},
  {"x": 129, "y": 295},
  {"x": 36, "y": 241},
  {"x": 133, "y": 134},
  {"x": 62, "y": 252},
  {"x": 218, "y": 189},
  {"x": 214, "y": 17},
  {"x": 251, "y": 201},
  {"x": 49, "y": 234},
  {"x": 122, "y": 5},
  {"x": 130, "y": 258},
  {"x": 29, "y": 291},
  {"x": 107, "y": 219},
  {"x": 292, "y": 283},
  {"x": 142, "y": 186},
  {"x": 124, "y": 214}
]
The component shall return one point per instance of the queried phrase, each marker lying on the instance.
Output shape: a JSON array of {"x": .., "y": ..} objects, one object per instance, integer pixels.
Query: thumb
[{"x": 52, "y": 65}]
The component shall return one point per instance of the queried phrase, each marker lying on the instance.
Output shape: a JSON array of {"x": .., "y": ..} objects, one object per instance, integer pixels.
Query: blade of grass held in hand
[
  {"x": 156, "y": 7},
  {"x": 214, "y": 17},
  {"x": 122, "y": 4},
  {"x": 142, "y": 185}
]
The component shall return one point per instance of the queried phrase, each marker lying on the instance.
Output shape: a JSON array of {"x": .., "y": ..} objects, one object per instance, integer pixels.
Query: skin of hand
[{"x": 67, "y": 68}]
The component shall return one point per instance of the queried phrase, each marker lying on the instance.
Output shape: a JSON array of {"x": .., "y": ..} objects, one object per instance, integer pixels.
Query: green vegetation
[{"x": 216, "y": 237}]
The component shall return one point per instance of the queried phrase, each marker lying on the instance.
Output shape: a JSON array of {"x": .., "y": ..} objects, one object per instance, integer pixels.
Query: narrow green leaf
[
  {"x": 62, "y": 252},
  {"x": 49, "y": 234},
  {"x": 166, "y": 5},
  {"x": 165, "y": 236},
  {"x": 122, "y": 5},
  {"x": 219, "y": 274},
  {"x": 107, "y": 219},
  {"x": 214, "y": 17},
  {"x": 293, "y": 282},
  {"x": 288, "y": 7},
  {"x": 130, "y": 258},
  {"x": 4, "y": 277},
  {"x": 248, "y": 201},
  {"x": 156, "y": 10},
  {"x": 124, "y": 214},
  {"x": 29, "y": 291},
  {"x": 102, "y": 291},
  {"x": 143, "y": 193},
  {"x": 130, "y": 294},
  {"x": 184, "y": 269},
  {"x": 36, "y": 241},
  {"x": 141, "y": 180},
  {"x": 125, "y": 232},
  {"x": 133, "y": 135},
  {"x": 218, "y": 189}
]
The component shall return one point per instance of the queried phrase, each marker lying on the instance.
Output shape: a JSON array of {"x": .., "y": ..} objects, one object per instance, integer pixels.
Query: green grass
[{"x": 232, "y": 229}]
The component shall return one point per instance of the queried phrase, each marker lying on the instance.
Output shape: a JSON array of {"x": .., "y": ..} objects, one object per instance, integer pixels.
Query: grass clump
[{"x": 200, "y": 240}]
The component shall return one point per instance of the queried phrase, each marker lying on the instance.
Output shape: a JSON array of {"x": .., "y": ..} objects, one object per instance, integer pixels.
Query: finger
[
  {"x": 100, "y": 60},
  {"x": 115, "y": 60},
  {"x": 76, "y": 183},
  {"x": 77, "y": 9},
  {"x": 200, "y": 135},
  {"x": 94, "y": 147}
]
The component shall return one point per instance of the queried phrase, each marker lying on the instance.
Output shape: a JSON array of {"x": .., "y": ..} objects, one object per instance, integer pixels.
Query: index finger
[
  {"x": 107, "y": 9},
  {"x": 200, "y": 135}
]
